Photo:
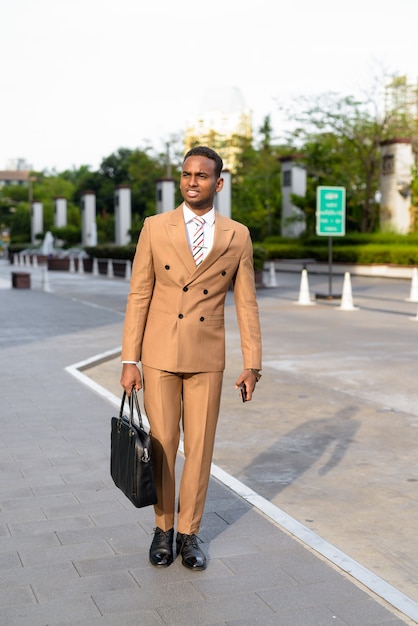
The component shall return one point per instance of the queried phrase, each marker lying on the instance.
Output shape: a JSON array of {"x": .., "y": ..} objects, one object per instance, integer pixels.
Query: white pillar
[
  {"x": 395, "y": 185},
  {"x": 88, "y": 216},
  {"x": 60, "y": 214},
  {"x": 293, "y": 182},
  {"x": 123, "y": 215},
  {"x": 223, "y": 197},
  {"x": 92, "y": 235},
  {"x": 37, "y": 220},
  {"x": 165, "y": 190}
]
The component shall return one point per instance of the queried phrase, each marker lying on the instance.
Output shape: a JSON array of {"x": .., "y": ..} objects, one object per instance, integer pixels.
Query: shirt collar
[{"x": 209, "y": 217}]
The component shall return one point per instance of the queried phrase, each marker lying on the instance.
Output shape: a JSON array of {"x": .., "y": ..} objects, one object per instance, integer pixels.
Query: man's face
[{"x": 199, "y": 184}]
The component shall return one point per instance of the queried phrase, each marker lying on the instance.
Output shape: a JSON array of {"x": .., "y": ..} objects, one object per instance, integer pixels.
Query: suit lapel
[
  {"x": 176, "y": 230},
  {"x": 221, "y": 240}
]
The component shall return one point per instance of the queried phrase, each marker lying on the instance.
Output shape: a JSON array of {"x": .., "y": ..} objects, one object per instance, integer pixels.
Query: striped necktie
[{"x": 197, "y": 243}]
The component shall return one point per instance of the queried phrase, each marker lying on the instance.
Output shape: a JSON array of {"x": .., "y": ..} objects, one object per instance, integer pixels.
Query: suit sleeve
[
  {"x": 247, "y": 308},
  {"x": 139, "y": 298}
]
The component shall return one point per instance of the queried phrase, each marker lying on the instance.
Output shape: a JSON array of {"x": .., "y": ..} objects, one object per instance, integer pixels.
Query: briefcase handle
[{"x": 133, "y": 401}]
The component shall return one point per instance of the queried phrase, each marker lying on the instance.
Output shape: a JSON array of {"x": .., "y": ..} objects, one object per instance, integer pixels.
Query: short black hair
[{"x": 210, "y": 154}]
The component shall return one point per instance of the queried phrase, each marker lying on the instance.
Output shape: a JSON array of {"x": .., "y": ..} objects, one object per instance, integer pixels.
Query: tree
[
  {"x": 256, "y": 185},
  {"x": 340, "y": 138},
  {"x": 139, "y": 169}
]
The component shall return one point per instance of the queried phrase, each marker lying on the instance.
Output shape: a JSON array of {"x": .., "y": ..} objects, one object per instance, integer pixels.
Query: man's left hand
[{"x": 248, "y": 380}]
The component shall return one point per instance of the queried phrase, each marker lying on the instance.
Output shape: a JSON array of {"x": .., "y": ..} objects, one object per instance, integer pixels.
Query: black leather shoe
[
  {"x": 192, "y": 555},
  {"x": 161, "y": 550}
]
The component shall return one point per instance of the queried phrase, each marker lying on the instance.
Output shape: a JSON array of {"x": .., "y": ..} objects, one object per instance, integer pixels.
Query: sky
[{"x": 81, "y": 78}]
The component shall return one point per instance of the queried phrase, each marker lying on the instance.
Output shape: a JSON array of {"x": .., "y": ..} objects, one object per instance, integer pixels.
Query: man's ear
[{"x": 219, "y": 184}]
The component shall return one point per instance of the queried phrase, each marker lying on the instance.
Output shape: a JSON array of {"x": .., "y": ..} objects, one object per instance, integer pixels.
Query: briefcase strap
[{"x": 133, "y": 401}]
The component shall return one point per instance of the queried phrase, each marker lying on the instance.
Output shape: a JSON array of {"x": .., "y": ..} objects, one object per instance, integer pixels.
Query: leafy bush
[
  {"x": 112, "y": 251},
  {"x": 367, "y": 249},
  {"x": 259, "y": 256},
  {"x": 70, "y": 234}
]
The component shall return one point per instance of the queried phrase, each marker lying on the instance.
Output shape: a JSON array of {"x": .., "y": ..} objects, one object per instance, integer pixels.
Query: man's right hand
[{"x": 131, "y": 377}]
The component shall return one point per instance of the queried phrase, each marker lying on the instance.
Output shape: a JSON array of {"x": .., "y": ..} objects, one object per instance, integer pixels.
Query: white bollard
[
  {"x": 347, "y": 295},
  {"x": 128, "y": 270},
  {"x": 80, "y": 265},
  {"x": 35, "y": 261},
  {"x": 71, "y": 268},
  {"x": 272, "y": 275},
  {"x": 15, "y": 260},
  {"x": 413, "y": 294},
  {"x": 95, "y": 269},
  {"x": 110, "y": 273},
  {"x": 304, "y": 294},
  {"x": 45, "y": 279}
]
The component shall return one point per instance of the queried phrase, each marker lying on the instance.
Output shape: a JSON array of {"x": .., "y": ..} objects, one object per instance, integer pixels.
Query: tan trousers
[{"x": 194, "y": 399}]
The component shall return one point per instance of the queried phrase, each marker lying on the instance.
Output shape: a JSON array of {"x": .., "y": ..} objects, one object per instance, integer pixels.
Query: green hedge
[
  {"x": 365, "y": 253},
  {"x": 112, "y": 252},
  {"x": 351, "y": 239}
]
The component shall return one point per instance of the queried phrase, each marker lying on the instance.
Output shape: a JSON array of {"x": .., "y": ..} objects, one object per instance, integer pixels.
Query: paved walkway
[{"x": 314, "y": 480}]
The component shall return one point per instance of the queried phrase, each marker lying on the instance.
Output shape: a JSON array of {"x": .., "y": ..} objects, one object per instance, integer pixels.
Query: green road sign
[{"x": 330, "y": 211}]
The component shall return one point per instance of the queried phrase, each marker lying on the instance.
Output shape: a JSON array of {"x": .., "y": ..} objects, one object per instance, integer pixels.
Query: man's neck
[{"x": 199, "y": 210}]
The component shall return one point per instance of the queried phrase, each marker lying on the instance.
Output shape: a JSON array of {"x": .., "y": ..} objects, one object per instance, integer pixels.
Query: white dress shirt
[{"x": 208, "y": 227}]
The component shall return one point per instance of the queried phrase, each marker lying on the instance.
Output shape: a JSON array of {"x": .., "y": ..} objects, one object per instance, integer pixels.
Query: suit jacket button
[
  {"x": 205, "y": 291},
  {"x": 223, "y": 273},
  {"x": 166, "y": 267},
  {"x": 181, "y": 316},
  {"x": 185, "y": 289},
  {"x": 202, "y": 319}
]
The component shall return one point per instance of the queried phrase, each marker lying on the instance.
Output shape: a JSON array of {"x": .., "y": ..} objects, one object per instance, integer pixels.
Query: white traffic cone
[
  {"x": 128, "y": 270},
  {"x": 413, "y": 295},
  {"x": 45, "y": 279},
  {"x": 110, "y": 273},
  {"x": 347, "y": 296},
  {"x": 304, "y": 295},
  {"x": 95, "y": 270},
  {"x": 272, "y": 275},
  {"x": 71, "y": 268}
]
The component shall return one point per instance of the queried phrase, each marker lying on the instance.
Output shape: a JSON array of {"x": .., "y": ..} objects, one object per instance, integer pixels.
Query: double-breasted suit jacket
[{"x": 175, "y": 311}]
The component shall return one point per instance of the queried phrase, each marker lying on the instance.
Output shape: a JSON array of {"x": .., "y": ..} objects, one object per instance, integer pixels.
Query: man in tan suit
[{"x": 174, "y": 326}]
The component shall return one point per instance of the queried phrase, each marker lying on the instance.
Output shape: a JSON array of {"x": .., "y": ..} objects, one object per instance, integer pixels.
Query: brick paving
[{"x": 74, "y": 551}]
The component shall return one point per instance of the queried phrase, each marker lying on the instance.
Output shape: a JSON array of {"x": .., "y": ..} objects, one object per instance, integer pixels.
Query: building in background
[
  {"x": 12, "y": 177},
  {"x": 401, "y": 98},
  {"x": 396, "y": 211},
  {"x": 223, "y": 118},
  {"x": 17, "y": 172},
  {"x": 399, "y": 156},
  {"x": 293, "y": 222}
]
